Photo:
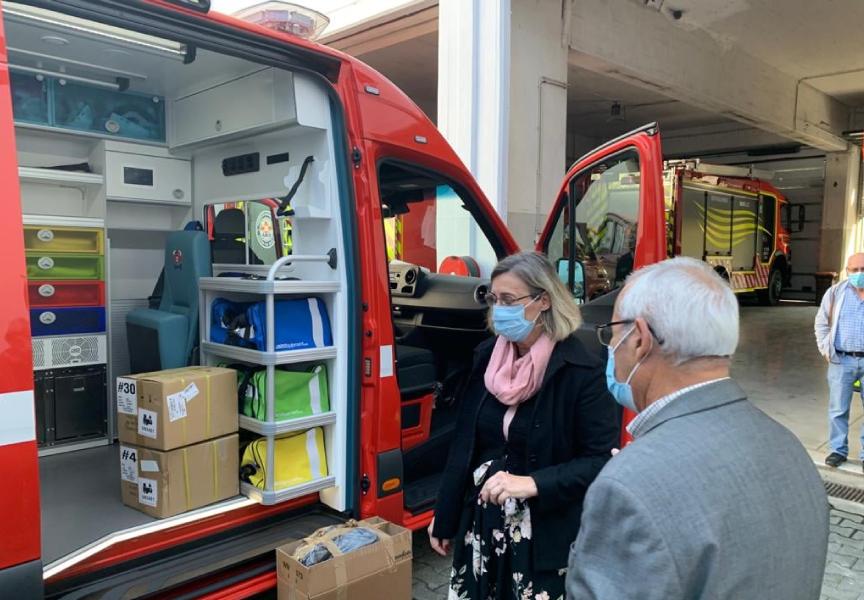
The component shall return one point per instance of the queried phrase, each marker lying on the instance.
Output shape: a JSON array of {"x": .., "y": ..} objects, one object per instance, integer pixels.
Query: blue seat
[{"x": 165, "y": 338}]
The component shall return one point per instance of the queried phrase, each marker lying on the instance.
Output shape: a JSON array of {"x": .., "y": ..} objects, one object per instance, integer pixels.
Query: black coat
[{"x": 575, "y": 425}]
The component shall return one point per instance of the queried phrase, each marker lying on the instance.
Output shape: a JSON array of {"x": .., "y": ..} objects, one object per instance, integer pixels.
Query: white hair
[{"x": 690, "y": 308}]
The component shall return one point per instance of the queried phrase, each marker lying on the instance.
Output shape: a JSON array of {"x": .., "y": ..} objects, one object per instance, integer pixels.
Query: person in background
[
  {"x": 536, "y": 426},
  {"x": 839, "y": 330},
  {"x": 712, "y": 499}
]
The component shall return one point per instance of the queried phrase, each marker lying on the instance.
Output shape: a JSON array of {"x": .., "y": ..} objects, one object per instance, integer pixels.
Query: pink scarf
[{"x": 511, "y": 378}]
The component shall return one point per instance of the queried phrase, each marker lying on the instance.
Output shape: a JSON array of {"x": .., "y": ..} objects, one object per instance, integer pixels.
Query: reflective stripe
[
  {"x": 317, "y": 324},
  {"x": 18, "y": 421},
  {"x": 312, "y": 453},
  {"x": 315, "y": 392}
]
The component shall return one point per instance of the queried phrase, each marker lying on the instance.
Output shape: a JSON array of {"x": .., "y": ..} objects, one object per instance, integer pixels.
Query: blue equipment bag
[{"x": 299, "y": 324}]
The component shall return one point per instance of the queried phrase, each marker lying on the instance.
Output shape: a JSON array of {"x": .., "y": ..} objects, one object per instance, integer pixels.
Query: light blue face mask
[
  {"x": 857, "y": 279},
  {"x": 622, "y": 392},
  {"x": 510, "y": 321}
]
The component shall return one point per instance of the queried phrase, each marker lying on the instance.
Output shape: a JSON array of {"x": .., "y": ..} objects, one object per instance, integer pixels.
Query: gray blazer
[{"x": 713, "y": 500}]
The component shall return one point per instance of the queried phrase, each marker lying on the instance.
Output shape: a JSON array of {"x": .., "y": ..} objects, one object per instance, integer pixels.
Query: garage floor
[{"x": 778, "y": 365}]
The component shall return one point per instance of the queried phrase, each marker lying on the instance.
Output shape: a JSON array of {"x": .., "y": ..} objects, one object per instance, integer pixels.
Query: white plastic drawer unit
[{"x": 142, "y": 178}]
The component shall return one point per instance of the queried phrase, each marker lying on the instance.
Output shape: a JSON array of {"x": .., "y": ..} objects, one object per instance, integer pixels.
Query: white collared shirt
[{"x": 636, "y": 426}]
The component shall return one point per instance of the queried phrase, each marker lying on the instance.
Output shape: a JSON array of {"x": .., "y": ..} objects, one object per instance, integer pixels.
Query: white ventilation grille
[
  {"x": 69, "y": 351},
  {"x": 39, "y": 354}
]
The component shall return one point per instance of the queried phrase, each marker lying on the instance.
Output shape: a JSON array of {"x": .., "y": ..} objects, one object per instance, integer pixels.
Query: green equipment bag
[{"x": 299, "y": 393}]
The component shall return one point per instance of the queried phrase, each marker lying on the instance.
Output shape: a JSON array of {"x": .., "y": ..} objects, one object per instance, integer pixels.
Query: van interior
[{"x": 124, "y": 140}]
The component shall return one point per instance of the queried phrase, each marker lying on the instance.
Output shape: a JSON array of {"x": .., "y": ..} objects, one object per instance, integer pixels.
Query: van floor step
[{"x": 420, "y": 495}]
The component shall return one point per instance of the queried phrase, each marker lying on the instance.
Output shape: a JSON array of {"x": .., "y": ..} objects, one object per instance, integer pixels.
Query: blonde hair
[{"x": 538, "y": 274}]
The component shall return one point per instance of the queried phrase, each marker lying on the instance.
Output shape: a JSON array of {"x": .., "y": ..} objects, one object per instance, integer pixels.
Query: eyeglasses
[
  {"x": 604, "y": 332},
  {"x": 506, "y": 299}
]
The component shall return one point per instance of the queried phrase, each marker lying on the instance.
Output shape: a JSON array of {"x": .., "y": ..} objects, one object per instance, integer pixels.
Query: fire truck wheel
[{"x": 771, "y": 295}]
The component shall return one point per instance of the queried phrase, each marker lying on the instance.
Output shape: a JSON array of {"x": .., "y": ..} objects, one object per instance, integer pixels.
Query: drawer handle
[
  {"x": 178, "y": 194},
  {"x": 46, "y": 290},
  {"x": 47, "y": 317},
  {"x": 45, "y": 263},
  {"x": 45, "y": 235}
]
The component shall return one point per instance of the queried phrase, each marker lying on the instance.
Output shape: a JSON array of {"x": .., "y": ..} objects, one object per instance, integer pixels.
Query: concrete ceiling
[
  {"x": 814, "y": 40},
  {"x": 818, "y": 41},
  {"x": 590, "y": 97}
]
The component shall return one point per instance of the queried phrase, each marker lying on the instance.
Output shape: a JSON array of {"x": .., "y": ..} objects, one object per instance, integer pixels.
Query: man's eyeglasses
[
  {"x": 604, "y": 332},
  {"x": 506, "y": 299}
]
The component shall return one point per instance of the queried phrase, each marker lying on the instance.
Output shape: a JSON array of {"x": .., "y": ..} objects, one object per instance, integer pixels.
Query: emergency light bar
[{"x": 287, "y": 18}]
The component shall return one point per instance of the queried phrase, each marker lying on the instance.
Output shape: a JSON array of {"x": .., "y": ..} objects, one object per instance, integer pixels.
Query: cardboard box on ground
[
  {"x": 374, "y": 572},
  {"x": 164, "y": 484},
  {"x": 169, "y": 409}
]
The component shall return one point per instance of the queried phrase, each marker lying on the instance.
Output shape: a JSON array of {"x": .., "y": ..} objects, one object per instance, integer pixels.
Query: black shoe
[{"x": 835, "y": 459}]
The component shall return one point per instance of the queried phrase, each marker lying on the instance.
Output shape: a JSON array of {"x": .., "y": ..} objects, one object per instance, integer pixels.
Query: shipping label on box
[
  {"x": 163, "y": 484},
  {"x": 379, "y": 570},
  {"x": 169, "y": 409}
]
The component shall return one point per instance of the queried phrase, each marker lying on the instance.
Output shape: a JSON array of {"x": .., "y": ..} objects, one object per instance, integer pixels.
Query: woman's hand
[
  {"x": 440, "y": 546},
  {"x": 503, "y": 485}
]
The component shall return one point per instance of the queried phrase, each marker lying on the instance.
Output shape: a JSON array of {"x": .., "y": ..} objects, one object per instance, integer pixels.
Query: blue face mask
[
  {"x": 622, "y": 392},
  {"x": 510, "y": 321},
  {"x": 857, "y": 279}
]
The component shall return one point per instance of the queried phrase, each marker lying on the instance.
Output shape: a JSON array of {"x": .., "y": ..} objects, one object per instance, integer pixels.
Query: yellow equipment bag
[{"x": 299, "y": 458}]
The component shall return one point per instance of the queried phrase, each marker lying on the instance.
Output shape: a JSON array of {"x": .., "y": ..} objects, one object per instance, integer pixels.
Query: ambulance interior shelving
[{"x": 123, "y": 138}]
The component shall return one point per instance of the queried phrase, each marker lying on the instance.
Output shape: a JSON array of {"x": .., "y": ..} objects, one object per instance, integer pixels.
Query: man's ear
[{"x": 644, "y": 341}]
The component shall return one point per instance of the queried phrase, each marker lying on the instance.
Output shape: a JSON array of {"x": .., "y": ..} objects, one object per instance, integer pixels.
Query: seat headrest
[{"x": 230, "y": 221}]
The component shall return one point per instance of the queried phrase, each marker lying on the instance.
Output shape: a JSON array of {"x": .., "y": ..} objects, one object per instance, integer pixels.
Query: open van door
[{"x": 607, "y": 221}]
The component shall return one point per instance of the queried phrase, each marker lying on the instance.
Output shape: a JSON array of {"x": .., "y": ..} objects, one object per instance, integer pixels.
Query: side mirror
[
  {"x": 579, "y": 281},
  {"x": 578, "y": 287}
]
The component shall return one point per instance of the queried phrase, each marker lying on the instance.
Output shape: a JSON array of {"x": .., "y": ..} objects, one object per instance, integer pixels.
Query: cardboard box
[
  {"x": 169, "y": 409},
  {"x": 380, "y": 570},
  {"x": 164, "y": 484}
]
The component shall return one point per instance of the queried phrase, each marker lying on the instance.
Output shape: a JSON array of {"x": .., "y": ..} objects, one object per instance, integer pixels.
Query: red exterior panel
[{"x": 18, "y": 455}]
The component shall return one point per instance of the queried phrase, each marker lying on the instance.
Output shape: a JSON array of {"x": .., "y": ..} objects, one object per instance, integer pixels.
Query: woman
[{"x": 536, "y": 426}]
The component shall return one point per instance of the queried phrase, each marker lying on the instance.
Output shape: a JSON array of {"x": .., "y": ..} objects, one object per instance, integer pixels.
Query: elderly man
[
  {"x": 840, "y": 337},
  {"x": 712, "y": 499}
]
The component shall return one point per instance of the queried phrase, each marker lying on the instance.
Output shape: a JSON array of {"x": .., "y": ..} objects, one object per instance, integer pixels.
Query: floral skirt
[{"x": 492, "y": 553}]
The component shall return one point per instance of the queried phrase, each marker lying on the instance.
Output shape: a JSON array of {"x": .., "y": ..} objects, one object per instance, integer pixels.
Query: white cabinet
[
  {"x": 145, "y": 178},
  {"x": 250, "y": 104}
]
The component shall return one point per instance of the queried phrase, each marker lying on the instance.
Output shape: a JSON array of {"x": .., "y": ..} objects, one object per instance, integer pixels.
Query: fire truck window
[
  {"x": 428, "y": 223},
  {"x": 604, "y": 204}
]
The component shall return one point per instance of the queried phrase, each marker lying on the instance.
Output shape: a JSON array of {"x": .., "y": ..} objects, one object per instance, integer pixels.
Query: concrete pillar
[
  {"x": 473, "y": 79},
  {"x": 841, "y": 227},
  {"x": 538, "y": 113},
  {"x": 502, "y": 101}
]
